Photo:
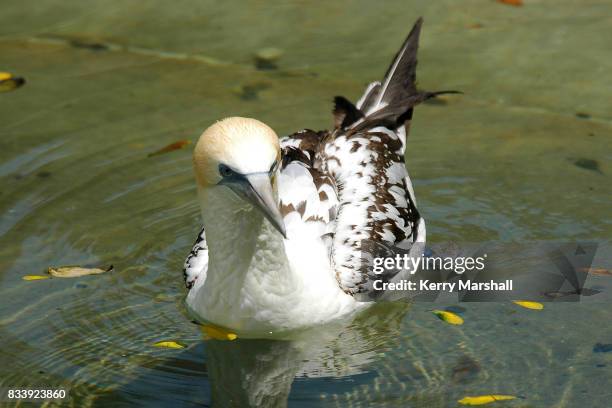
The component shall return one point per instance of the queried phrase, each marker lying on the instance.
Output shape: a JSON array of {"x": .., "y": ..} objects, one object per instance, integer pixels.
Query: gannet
[{"x": 284, "y": 219}]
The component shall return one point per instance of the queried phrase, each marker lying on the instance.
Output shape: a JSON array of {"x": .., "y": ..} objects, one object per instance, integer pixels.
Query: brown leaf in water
[
  {"x": 466, "y": 369},
  {"x": 557, "y": 294},
  {"x": 170, "y": 148},
  {"x": 515, "y": 3},
  {"x": 588, "y": 164},
  {"x": 597, "y": 271},
  {"x": 76, "y": 271},
  {"x": 266, "y": 58}
]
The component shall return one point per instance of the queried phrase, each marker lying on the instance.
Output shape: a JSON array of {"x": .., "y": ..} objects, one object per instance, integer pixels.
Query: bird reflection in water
[{"x": 260, "y": 372}]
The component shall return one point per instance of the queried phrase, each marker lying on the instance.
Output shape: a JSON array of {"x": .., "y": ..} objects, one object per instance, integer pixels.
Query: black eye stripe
[{"x": 225, "y": 171}]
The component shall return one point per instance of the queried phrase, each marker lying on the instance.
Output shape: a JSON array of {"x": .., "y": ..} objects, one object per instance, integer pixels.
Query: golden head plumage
[
  {"x": 242, "y": 155},
  {"x": 244, "y": 145}
]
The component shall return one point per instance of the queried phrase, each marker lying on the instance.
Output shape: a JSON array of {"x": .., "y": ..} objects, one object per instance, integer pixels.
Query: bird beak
[{"x": 256, "y": 188}]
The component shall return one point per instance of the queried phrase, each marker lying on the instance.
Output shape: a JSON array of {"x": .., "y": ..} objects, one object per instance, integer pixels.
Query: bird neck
[
  {"x": 246, "y": 254},
  {"x": 231, "y": 227}
]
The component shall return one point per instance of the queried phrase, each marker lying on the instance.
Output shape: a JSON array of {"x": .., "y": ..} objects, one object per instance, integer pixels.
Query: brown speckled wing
[
  {"x": 375, "y": 200},
  {"x": 360, "y": 166},
  {"x": 307, "y": 194}
]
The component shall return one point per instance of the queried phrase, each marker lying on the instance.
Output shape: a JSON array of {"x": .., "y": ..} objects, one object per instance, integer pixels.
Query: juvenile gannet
[{"x": 284, "y": 221}]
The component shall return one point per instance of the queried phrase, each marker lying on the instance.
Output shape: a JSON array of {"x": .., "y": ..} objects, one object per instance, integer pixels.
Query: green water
[{"x": 109, "y": 82}]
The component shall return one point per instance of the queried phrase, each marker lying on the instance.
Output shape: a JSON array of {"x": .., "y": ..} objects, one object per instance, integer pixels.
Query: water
[{"x": 110, "y": 82}]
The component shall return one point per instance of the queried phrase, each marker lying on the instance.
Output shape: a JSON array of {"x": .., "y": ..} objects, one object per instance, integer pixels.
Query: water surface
[{"x": 109, "y": 82}]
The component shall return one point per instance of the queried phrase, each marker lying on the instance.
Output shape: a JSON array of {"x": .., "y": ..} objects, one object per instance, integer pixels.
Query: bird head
[{"x": 242, "y": 155}]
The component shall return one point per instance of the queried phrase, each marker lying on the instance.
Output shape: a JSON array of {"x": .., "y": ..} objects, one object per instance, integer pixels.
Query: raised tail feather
[{"x": 390, "y": 102}]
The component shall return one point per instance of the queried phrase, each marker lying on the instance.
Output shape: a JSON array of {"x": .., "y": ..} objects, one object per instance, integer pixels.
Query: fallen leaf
[
  {"x": 466, "y": 369},
  {"x": 34, "y": 277},
  {"x": 266, "y": 58},
  {"x": 557, "y": 294},
  {"x": 88, "y": 44},
  {"x": 515, "y": 3},
  {"x": 448, "y": 317},
  {"x": 75, "y": 271},
  {"x": 250, "y": 92},
  {"x": 597, "y": 271},
  {"x": 475, "y": 25},
  {"x": 588, "y": 164},
  {"x": 455, "y": 309},
  {"x": 168, "y": 344},
  {"x": 170, "y": 148},
  {"x": 9, "y": 83},
  {"x": 218, "y": 333},
  {"x": 602, "y": 348},
  {"x": 485, "y": 399},
  {"x": 529, "y": 305}
]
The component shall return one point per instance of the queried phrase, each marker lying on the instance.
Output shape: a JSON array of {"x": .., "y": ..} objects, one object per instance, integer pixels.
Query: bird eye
[{"x": 225, "y": 171}]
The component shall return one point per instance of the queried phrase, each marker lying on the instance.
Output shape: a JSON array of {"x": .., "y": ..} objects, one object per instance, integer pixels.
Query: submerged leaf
[
  {"x": 515, "y": 3},
  {"x": 529, "y": 305},
  {"x": 170, "y": 148},
  {"x": 597, "y": 271},
  {"x": 588, "y": 164},
  {"x": 34, "y": 277},
  {"x": 218, "y": 333},
  {"x": 266, "y": 58},
  {"x": 602, "y": 348},
  {"x": 9, "y": 83},
  {"x": 466, "y": 369},
  {"x": 448, "y": 317},
  {"x": 169, "y": 344},
  {"x": 485, "y": 399},
  {"x": 75, "y": 271}
]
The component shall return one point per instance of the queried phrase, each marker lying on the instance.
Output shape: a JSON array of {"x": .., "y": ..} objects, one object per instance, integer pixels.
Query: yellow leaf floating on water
[
  {"x": 218, "y": 333},
  {"x": 34, "y": 277},
  {"x": 485, "y": 399},
  {"x": 8, "y": 82},
  {"x": 169, "y": 344},
  {"x": 529, "y": 305},
  {"x": 76, "y": 271},
  {"x": 448, "y": 317},
  {"x": 171, "y": 147}
]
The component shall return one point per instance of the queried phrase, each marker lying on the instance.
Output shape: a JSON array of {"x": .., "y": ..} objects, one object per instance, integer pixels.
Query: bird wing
[
  {"x": 376, "y": 208},
  {"x": 308, "y": 195},
  {"x": 347, "y": 190},
  {"x": 358, "y": 176},
  {"x": 196, "y": 264}
]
